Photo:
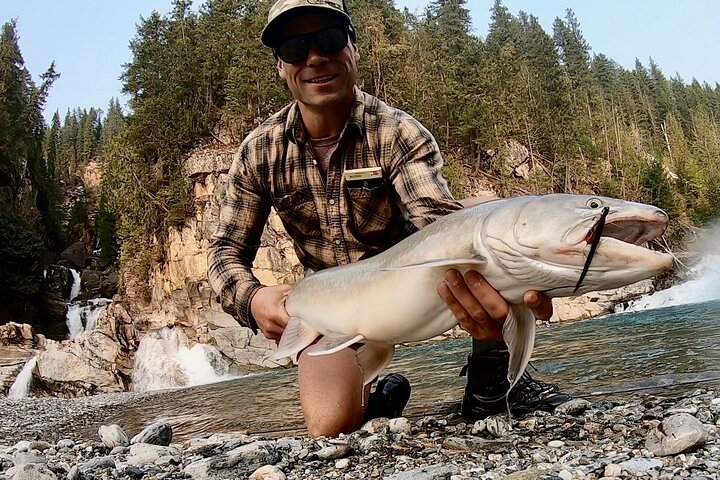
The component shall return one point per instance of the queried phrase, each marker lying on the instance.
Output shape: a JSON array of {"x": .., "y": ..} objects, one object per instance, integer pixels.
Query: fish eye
[{"x": 594, "y": 203}]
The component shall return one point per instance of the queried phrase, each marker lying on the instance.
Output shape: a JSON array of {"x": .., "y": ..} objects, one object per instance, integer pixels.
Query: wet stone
[{"x": 159, "y": 433}]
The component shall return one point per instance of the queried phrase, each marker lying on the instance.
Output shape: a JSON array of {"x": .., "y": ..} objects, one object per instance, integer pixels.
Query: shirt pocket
[
  {"x": 298, "y": 214},
  {"x": 373, "y": 217}
]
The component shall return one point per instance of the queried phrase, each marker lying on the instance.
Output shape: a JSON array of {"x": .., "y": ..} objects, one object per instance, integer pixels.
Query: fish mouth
[
  {"x": 625, "y": 239},
  {"x": 636, "y": 231}
]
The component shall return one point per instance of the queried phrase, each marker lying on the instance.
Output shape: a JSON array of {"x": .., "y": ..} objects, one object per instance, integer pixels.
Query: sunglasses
[{"x": 296, "y": 49}]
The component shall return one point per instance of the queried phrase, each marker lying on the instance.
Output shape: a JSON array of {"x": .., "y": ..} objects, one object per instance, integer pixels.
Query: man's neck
[{"x": 323, "y": 122}]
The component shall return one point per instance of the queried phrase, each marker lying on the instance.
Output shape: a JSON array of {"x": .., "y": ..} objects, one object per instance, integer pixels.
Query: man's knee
[
  {"x": 323, "y": 425},
  {"x": 331, "y": 393}
]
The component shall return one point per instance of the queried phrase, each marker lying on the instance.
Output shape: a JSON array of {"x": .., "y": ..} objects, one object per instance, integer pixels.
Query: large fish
[{"x": 558, "y": 244}]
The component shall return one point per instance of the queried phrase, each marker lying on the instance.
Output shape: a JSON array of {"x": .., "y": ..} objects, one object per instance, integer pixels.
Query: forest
[{"x": 199, "y": 76}]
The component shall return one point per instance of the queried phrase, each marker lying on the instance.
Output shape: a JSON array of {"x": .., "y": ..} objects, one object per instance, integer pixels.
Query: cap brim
[{"x": 272, "y": 30}]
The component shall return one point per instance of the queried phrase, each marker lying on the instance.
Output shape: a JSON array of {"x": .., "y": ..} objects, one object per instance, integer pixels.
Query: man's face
[{"x": 322, "y": 80}]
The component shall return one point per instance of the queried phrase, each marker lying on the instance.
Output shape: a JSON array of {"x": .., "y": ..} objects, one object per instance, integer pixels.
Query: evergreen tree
[
  {"x": 28, "y": 191},
  {"x": 14, "y": 131},
  {"x": 113, "y": 123},
  {"x": 52, "y": 141}
]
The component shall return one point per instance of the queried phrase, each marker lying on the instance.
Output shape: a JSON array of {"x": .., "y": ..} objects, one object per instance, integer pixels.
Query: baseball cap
[{"x": 285, "y": 9}]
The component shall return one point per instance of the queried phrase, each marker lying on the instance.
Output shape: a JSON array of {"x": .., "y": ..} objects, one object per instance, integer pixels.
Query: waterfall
[
  {"x": 75, "y": 289},
  {"x": 21, "y": 385},
  {"x": 704, "y": 286},
  {"x": 82, "y": 316},
  {"x": 163, "y": 360}
]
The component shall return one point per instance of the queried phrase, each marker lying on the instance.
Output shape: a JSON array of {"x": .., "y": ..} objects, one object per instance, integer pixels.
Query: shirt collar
[{"x": 295, "y": 130}]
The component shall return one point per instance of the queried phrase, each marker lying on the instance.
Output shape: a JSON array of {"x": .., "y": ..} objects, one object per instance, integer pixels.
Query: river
[{"x": 653, "y": 349}]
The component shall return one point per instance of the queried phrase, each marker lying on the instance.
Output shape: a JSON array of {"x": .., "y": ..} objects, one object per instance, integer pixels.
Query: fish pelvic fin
[
  {"x": 296, "y": 336},
  {"x": 333, "y": 343},
  {"x": 477, "y": 261},
  {"x": 519, "y": 335},
  {"x": 373, "y": 358}
]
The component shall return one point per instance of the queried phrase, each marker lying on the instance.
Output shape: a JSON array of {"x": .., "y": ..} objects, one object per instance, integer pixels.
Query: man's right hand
[{"x": 268, "y": 309}]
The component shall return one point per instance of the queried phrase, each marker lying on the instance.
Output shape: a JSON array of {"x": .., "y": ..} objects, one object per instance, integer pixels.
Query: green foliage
[
  {"x": 589, "y": 124},
  {"x": 29, "y": 191},
  {"x": 21, "y": 258},
  {"x": 454, "y": 174},
  {"x": 78, "y": 215},
  {"x": 657, "y": 188},
  {"x": 106, "y": 227}
]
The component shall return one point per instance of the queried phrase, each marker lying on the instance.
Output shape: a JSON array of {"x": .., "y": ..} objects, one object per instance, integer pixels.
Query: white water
[
  {"x": 704, "y": 286},
  {"x": 163, "y": 360},
  {"x": 75, "y": 290},
  {"x": 82, "y": 316},
  {"x": 21, "y": 385}
]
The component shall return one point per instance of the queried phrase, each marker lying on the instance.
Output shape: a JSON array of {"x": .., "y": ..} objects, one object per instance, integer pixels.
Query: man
[{"x": 349, "y": 177}]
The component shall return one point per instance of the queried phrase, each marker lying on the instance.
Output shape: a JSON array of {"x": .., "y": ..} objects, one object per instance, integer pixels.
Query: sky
[{"x": 88, "y": 39}]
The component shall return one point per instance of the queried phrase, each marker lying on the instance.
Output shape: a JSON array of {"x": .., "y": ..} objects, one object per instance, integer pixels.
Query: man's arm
[{"x": 243, "y": 214}]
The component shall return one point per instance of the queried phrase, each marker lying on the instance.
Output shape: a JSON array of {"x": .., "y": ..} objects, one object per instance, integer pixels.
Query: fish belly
[{"x": 389, "y": 307}]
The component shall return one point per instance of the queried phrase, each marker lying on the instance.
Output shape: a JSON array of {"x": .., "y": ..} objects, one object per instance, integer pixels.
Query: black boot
[
  {"x": 487, "y": 386},
  {"x": 389, "y": 398}
]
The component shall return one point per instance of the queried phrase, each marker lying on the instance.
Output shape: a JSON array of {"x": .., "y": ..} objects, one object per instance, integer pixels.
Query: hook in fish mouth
[{"x": 593, "y": 237}]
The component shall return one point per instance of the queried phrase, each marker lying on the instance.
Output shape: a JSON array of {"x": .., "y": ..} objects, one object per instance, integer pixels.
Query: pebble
[
  {"x": 400, "y": 426},
  {"x": 334, "y": 452},
  {"x": 267, "y": 472},
  {"x": 342, "y": 463},
  {"x": 159, "y": 433},
  {"x": 643, "y": 436},
  {"x": 113, "y": 436}
]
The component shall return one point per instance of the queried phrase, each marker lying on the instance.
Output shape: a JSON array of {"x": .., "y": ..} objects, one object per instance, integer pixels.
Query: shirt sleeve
[
  {"x": 416, "y": 174},
  {"x": 243, "y": 213}
]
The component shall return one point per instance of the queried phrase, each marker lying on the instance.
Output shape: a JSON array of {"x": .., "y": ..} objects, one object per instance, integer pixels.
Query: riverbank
[{"x": 644, "y": 436}]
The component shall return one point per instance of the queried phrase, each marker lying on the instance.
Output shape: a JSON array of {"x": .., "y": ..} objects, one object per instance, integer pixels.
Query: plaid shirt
[{"x": 331, "y": 220}]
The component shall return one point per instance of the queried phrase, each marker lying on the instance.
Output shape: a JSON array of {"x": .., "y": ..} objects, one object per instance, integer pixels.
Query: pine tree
[
  {"x": 14, "y": 132},
  {"x": 112, "y": 125}
]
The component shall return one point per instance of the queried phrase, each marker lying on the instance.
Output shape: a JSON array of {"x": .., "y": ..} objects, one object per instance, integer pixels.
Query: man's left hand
[{"x": 480, "y": 309}]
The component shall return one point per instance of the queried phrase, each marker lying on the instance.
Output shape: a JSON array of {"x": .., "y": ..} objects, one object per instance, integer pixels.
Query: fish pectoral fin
[
  {"x": 297, "y": 335},
  {"x": 373, "y": 358},
  {"x": 477, "y": 261},
  {"x": 519, "y": 335},
  {"x": 333, "y": 343}
]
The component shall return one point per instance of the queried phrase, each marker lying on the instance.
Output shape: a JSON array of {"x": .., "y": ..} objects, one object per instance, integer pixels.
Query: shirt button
[
  {"x": 337, "y": 242},
  {"x": 331, "y": 201}
]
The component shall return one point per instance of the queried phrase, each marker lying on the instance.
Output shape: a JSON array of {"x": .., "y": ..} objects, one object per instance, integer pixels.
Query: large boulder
[
  {"x": 97, "y": 361},
  {"x": 75, "y": 256},
  {"x": 54, "y": 316},
  {"x": 58, "y": 281},
  {"x": 245, "y": 349},
  {"x": 78, "y": 368},
  {"x": 20, "y": 334}
]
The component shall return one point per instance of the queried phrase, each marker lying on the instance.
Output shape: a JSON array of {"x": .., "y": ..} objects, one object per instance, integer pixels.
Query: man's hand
[
  {"x": 268, "y": 308},
  {"x": 480, "y": 309}
]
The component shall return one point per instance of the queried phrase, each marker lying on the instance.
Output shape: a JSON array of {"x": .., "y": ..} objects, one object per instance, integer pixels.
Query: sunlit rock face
[{"x": 179, "y": 291}]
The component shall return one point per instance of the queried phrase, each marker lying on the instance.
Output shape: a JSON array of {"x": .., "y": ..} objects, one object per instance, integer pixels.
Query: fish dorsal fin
[
  {"x": 333, "y": 343},
  {"x": 519, "y": 335},
  {"x": 477, "y": 261},
  {"x": 373, "y": 358},
  {"x": 297, "y": 335}
]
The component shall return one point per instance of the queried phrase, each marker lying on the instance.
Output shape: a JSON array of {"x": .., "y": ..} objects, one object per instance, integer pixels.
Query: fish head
[{"x": 544, "y": 242}]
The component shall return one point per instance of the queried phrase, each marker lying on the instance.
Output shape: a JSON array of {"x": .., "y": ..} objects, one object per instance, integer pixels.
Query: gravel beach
[{"x": 644, "y": 436}]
